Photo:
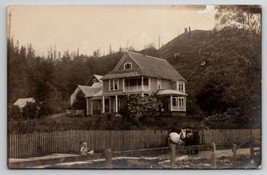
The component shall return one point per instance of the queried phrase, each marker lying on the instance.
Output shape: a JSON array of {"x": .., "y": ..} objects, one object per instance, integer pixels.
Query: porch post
[
  {"x": 142, "y": 83},
  {"x": 109, "y": 103},
  {"x": 86, "y": 109},
  {"x": 116, "y": 103},
  {"x": 123, "y": 85},
  {"x": 103, "y": 104},
  {"x": 148, "y": 83},
  {"x": 171, "y": 103},
  {"x": 91, "y": 107}
]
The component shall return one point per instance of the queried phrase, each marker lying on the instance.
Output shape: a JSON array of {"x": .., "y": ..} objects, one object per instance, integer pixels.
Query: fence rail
[{"x": 36, "y": 144}]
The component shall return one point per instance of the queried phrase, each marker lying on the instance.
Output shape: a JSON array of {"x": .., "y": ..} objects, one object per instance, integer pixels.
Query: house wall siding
[
  {"x": 128, "y": 59},
  {"x": 105, "y": 85},
  {"x": 174, "y": 85},
  {"x": 166, "y": 84},
  {"x": 153, "y": 84}
]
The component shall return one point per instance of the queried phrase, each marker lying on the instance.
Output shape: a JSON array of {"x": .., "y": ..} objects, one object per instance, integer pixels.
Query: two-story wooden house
[{"x": 142, "y": 74}]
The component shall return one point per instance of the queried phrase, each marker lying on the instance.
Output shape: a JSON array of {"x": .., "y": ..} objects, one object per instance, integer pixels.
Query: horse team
[{"x": 186, "y": 137}]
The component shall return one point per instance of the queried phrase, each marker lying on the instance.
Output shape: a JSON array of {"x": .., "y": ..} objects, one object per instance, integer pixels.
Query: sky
[{"x": 98, "y": 27}]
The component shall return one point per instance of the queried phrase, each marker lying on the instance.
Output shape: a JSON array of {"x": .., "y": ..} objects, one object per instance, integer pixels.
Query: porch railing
[{"x": 135, "y": 88}]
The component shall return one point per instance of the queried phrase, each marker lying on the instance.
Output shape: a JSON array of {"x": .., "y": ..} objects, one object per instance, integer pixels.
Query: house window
[
  {"x": 127, "y": 65},
  {"x": 94, "y": 80},
  {"x": 159, "y": 83},
  {"x": 114, "y": 84},
  {"x": 174, "y": 101},
  {"x": 180, "y": 86},
  {"x": 146, "y": 82},
  {"x": 181, "y": 102}
]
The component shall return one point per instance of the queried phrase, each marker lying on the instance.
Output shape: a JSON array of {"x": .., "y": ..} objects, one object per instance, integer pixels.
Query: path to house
[{"x": 56, "y": 115}]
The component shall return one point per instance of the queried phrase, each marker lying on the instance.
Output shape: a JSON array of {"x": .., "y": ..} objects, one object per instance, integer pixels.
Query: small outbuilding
[{"x": 22, "y": 102}]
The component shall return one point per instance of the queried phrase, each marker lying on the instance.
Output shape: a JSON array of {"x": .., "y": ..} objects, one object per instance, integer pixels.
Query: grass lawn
[{"x": 100, "y": 122}]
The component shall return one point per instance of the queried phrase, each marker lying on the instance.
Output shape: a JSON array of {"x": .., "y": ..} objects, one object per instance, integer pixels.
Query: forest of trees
[
  {"x": 222, "y": 68},
  {"x": 51, "y": 81},
  {"x": 224, "y": 72}
]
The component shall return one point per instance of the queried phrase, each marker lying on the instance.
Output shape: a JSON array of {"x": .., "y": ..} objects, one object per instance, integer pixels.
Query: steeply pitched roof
[
  {"x": 150, "y": 66},
  {"x": 90, "y": 91},
  {"x": 22, "y": 102},
  {"x": 97, "y": 77}
]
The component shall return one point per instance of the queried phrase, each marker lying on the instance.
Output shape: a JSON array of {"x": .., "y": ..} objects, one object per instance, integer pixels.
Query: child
[{"x": 85, "y": 150}]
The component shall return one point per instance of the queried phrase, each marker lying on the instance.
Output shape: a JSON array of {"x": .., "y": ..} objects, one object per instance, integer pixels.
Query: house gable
[
  {"x": 94, "y": 79},
  {"x": 144, "y": 65},
  {"x": 127, "y": 59}
]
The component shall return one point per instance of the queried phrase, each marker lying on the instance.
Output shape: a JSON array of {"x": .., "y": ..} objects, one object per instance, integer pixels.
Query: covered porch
[
  {"x": 173, "y": 100},
  {"x": 105, "y": 104}
]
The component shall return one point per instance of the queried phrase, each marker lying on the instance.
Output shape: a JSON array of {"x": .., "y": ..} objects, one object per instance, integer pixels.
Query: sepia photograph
[{"x": 170, "y": 87}]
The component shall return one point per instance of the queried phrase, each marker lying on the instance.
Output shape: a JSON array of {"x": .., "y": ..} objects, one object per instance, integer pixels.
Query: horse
[
  {"x": 186, "y": 137},
  {"x": 176, "y": 138},
  {"x": 192, "y": 138}
]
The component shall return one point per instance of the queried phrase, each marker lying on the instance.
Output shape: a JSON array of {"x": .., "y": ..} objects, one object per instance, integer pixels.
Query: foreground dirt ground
[{"x": 183, "y": 161}]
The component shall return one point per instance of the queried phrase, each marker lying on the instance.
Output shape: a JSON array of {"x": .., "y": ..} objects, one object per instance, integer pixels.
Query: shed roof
[{"x": 22, "y": 102}]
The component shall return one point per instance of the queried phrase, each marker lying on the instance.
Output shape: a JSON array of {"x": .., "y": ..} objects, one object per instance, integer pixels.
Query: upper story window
[
  {"x": 94, "y": 80},
  {"x": 181, "y": 101},
  {"x": 158, "y": 83},
  {"x": 127, "y": 65},
  {"x": 181, "y": 86},
  {"x": 114, "y": 84}
]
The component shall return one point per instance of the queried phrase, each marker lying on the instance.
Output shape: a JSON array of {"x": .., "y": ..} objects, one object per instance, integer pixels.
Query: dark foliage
[
  {"x": 222, "y": 68},
  {"x": 143, "y": 110},
  {"x": 80, "y": 102},
  {"x": 14, "y": 112},
  {"x": 30, "y": 111},
  {"x": 97, "y": 122}
]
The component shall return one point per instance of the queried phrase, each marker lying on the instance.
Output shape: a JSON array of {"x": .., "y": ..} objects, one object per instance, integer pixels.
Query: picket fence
[
  {"x": 38, "y": 144},
  {"x": 228, "y": 136}
]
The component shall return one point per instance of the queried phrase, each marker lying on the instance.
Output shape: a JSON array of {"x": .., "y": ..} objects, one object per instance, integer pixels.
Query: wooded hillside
[{"x": 222, "y": 68}]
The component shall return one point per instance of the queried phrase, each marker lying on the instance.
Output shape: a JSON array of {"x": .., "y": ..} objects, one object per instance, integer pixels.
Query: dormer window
[{"x": 127, "y": 65}]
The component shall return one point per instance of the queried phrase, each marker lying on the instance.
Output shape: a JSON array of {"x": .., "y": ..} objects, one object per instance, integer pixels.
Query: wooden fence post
[
  {"x": 234, "y": 155},
  {"x": 252, "y": 150},
  {"x": 173, "y": 154},
  {"x": 108, "y": 156},
  {"x": 213, "y": 155}
]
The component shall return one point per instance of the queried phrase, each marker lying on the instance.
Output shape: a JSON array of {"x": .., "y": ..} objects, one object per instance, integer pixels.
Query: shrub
[
  {"x": 142, "y": 109},
  {"x": 30, "y": 111},
  {"x": 13, "y": 112},
  {"x": 80, "y": 101}
]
